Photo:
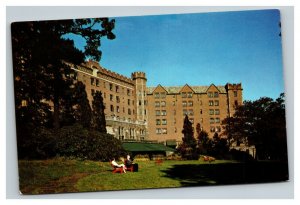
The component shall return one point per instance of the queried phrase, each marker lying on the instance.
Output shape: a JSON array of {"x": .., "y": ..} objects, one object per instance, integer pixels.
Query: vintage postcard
[{"x": 147, "y": 102}]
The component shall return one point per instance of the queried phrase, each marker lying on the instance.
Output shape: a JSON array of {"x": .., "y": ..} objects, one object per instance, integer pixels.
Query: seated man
[
  {"x": 115, "y": 164},
  {"x": 128, "y": 161},
  {"x": 130, "y": 165}
]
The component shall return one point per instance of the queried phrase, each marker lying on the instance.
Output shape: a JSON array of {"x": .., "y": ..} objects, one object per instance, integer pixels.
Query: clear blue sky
[{"x": 200, "y": 49}]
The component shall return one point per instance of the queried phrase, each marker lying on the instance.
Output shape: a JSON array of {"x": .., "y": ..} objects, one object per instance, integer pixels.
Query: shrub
[
  {"x": 75, "y": 141},
  {"x": 37, "y": 143}
]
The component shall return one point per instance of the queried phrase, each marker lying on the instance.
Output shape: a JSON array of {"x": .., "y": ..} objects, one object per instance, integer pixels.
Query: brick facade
[{"x": 137, "y": 112}]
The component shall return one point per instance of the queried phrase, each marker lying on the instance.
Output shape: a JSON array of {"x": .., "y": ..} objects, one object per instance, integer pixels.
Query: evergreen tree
[
  {"x": 82, "y": 111},
  {"x": 188, "y": 147},
  {"x": 99, "y": 122},
  {"x": 188, "y": 133}
]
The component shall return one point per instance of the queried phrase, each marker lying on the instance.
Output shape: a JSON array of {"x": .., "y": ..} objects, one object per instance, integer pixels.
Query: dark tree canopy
[
  {"x": 98, "y": 122},
  {"x": 82, "y": 111},
  {"x": 42, "y": 59},
  {"x": 46, "y": 95},
  {"x": 260, "y": 123},
  {"x": 188, "y": 147},
  {"x": 188, "y": 133}
]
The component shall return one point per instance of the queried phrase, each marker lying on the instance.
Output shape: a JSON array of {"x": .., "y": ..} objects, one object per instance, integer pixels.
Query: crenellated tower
[
  {"x": 141, "y": 96},
  {"x": 234, "y": 97}
]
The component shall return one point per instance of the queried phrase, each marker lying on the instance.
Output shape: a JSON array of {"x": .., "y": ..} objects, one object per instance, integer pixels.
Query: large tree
[
  {"x": 82, "y": 108},
  {"x": 188, "y": 147},
  {"x": 98, "y": 116},
  {"x": 42, "y": 59},
  {"x": 260, "y": 123}
]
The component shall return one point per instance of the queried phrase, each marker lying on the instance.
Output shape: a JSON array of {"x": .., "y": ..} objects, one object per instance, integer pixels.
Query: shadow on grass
[{"x": 228, "y": 173}]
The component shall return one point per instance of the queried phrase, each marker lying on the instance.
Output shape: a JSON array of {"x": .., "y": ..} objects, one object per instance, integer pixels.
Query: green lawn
[{"x": 60, "y": 176}]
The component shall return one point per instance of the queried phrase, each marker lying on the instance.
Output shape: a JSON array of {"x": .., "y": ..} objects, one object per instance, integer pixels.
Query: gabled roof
[
  {"x": 159, "y": 86},
  {"x": 212, "y": 85},
  {"x": 186, "y": 85},
  {"x": 177, "y": 89}
]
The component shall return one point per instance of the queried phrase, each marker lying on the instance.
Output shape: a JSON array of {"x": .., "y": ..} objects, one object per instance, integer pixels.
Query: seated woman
[{"x": 115, "y": 164}]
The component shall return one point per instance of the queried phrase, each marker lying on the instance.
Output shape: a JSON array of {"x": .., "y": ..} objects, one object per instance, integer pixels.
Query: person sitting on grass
[
  {"x": 115, "y": 164},
  {"x": 128, "y": 161}
]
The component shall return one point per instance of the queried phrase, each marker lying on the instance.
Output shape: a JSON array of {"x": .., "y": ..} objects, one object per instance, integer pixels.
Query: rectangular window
[
  {"x": 211, "y": 120},
  {"x": 128, "y": 101},
  {"x": 140, "y": 102},
  {"x": 128, "y": 92},
  {"x": 163, "y": 112},
  {"x": 93, "y": 92},
  {"x": 216, "y": 102},
  {"x": 183, "y": 94},
  {"x": 211, "y": 111},
  {"x": 163, "y": 95},
  {"x": 129, "y": 112},
  {"x": 185, "y": 112},
  {"x": 104, "y": 95},
  {"x": 110, "y": 86},
  {"x": 145, "y": 102},
  {"x": 111, "y": 97},
  {"x": 145, "y": 112},
  {"x": 157, "y": 112},
  {"x": 156, "y": 95},
  {"x": 211, "y": 103},
  {"x": 217, "y": 120},
  {"x": 163, "y": 103},
  {"x": 164, "y": 130},
  {"x": 163, "y": 121},
  {"x": 210, "y": 94},
  {"x": 97, "y": 83},
  {"x": 191, "y": 112},
  {"x": 216, "y": 94},
  {"x": 212, "y": 129},
  {"x": 158, "y": 131},
  {"x": 157, "y": 103},
  {"x": 192, "y": 120},
  {"x": 111, "y": 108},
  {"x": 190, "y": 103},
  {"x": 218, "y": 129},
  {"x": 236, "y": 103},
  {"x": 118, "y": 109},
  {"x": 184, "y": 103},
  {"x": 117, "y": 99},
  {"x": 200, "y": 111},
  {"x": 217, "y": 112},
  {"x": 190, "y": 95},
  {"x": 117, "y": 89},
  {"x": 157, "y": 121},
  {"x": 92, "y": 81},
  {"x": 235, "y": 93}
]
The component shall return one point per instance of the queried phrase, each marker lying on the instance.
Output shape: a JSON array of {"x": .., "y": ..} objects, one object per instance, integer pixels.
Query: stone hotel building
[{"x": 136, "y": 112}]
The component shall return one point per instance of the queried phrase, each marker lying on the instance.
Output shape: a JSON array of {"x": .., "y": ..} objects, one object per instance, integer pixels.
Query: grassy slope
[{"x": 59, "y": 176}]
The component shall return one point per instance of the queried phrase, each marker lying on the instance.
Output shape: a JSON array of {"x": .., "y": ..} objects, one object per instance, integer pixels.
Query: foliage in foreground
[{"x": 72, "y": 142}]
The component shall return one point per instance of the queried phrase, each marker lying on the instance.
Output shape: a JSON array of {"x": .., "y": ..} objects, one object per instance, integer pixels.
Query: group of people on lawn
[{"x": 127, "y": 163}]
